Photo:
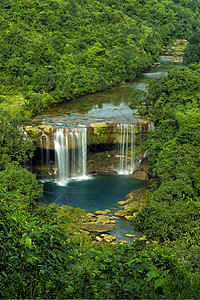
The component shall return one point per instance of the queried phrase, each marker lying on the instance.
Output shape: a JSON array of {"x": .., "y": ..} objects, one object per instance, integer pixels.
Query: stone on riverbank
[
  {"x": 108, "y": 238},
  {"x": 33, "y": 131},
  {"x": 103, "y": 219},
  {"x": 120, "y": 213},
  {"x": 122, "y": 242},
  {"x": 99, "y": 227},
  {"x": 122, "y": 203},
  {"x": 130, "y": 235},
  {"x": 129, "y": 218},
  {"x": 140, "y": 175},
  {"x": 102, "y": 212}
]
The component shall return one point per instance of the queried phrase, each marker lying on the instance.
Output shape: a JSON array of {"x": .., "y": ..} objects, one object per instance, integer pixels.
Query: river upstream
[{"x": 97, "y": 191}]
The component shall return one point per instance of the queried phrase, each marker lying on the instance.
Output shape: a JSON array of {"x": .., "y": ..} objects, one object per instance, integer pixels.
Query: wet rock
[
  {"x": 103, "y": 219},
  {"x": 102, "y": 212},
  {"x": 46, "y": 128},
  {"x": 99, "y": 227},
  {"x": 90, "y": 215},
  {"x": 112, "y": 221},
  {"x": 130, "y": 235},
  {"x": 141, "y": 175},
  {"x": 132, "y": 205},
  {"x": 33, "y": 130},
  {"x": 99, "y": 239},
  {"x": 129, "y": 218},
  {"x": 143, "y": 238},
  {"x": 120, "y": 213},
  {"x": 122, "y": 242},
  {"x": 122, "y": 203},
  {"x": 108, "y": 238}
]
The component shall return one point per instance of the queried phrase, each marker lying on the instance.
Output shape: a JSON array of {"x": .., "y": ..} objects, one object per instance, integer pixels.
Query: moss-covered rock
[
  {"x": 98, "y": 227},
  {"x": 33, "y": 131}
]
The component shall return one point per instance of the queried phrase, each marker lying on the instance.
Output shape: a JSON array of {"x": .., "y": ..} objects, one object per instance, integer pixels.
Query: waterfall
[
  {"x": 126, "y": 149},
  {"x": 44, "y": 146},
  {"x": 70, "y": 146}
]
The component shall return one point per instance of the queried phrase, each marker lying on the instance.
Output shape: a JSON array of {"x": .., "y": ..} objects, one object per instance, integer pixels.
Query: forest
[{"x": 53, "y": 51}]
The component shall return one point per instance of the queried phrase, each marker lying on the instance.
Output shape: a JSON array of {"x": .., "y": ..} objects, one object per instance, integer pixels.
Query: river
[{"x": 99, "y": 191}]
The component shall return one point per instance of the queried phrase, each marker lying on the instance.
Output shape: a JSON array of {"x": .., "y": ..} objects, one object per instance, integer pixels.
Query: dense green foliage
[
  {"x": 173, "y": 215},
  {"x": 42, "y": 258},
  {"x": 192, "y": 53},
  {"x": 53, "y": 51},
  {"x": 14, "y": 147},
  {"x": 39, "y": 261}
]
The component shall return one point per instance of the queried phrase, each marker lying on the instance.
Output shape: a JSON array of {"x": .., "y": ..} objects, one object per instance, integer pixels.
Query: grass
[{"x": 12, "y": 103}]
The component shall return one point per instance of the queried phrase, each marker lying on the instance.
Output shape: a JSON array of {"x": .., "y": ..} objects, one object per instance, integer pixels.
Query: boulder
[
  {"x": 112, "y": 221},
  {"x": 122, "y": 203},
  {"x": 90, "y": 215},
  {"x": 122, "y": 242},
  {"x": 33, "y": 130},
  {"x": 141, "y": 175},
  {"x": 128, "y": 218},
  {"x": 143, "y": 238},
  {"x": 103, "y": 219},
  {"x": 102, "y": 212},
  {"x": 46, "y": 128},
  {"x": 99, "y": 227},
  {"x": 130, "y": 235},
  {"x": 132, "y": 205},
  {"x": 99, "y": 239},
  {"x": 108, "y": 238},
  {"x": 144, "y": 164},
  {"x": 120, "y": 213}
]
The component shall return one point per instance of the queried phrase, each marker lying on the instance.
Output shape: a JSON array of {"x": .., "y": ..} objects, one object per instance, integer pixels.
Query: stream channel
[{"x": 100, "y": 192}]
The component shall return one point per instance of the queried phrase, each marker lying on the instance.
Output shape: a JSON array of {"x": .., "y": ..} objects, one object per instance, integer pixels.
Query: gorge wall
[{"x": 63, "y": 151}]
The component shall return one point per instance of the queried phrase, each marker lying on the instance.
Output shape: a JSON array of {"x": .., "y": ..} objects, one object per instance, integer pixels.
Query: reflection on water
[
  {"x": 155, "y": 75},
  {"x": 110, "y": 105},
  {"x": 100, "y": 192},
  {"x": 92, "y": 194},
  {"x": 108, "y": 111},
  {"x": 95, "y": 194}
]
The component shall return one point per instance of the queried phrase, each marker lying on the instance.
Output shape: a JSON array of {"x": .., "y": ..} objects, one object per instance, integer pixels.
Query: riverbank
[{"x": 103, "y": 161}]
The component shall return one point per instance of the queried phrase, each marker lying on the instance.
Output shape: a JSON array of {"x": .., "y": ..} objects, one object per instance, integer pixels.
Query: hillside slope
[{"x": 56, "y": 50}]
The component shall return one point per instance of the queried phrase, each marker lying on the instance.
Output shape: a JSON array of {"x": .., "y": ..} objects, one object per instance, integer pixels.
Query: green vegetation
[
  {"x": 44, "y": 255},
  {"x": 173, "y": 214},
  {"x": 54, "y": 51}
]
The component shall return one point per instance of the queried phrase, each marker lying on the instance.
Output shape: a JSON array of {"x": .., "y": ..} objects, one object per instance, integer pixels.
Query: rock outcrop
[
  {"x": 138, "y": 174},
  {"x": 98, "y": 227}
]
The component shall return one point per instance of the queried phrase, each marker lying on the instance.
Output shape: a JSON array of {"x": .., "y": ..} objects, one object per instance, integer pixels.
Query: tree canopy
[
  {"x": 54, "y": 51},
  {"x": 173, "y": 214}
]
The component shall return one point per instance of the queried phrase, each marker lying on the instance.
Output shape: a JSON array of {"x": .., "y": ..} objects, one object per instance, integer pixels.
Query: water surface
[
  {"x": 100, "y": 192},
  {"x": 97, "y": 192},
  {"x": 107, "y": 106}
]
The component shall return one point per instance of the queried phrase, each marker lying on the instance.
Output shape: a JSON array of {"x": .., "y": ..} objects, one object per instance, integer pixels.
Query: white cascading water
[
  {"x": 71, "y": 152},
  {"x": 44, "y": 142},
  {"x": 126, "y": 149}
]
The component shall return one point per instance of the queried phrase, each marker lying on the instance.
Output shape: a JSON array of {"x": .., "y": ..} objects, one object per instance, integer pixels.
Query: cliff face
[
  {"x": 104, "y": 148},
  {"x": 97, "y": 133}
]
